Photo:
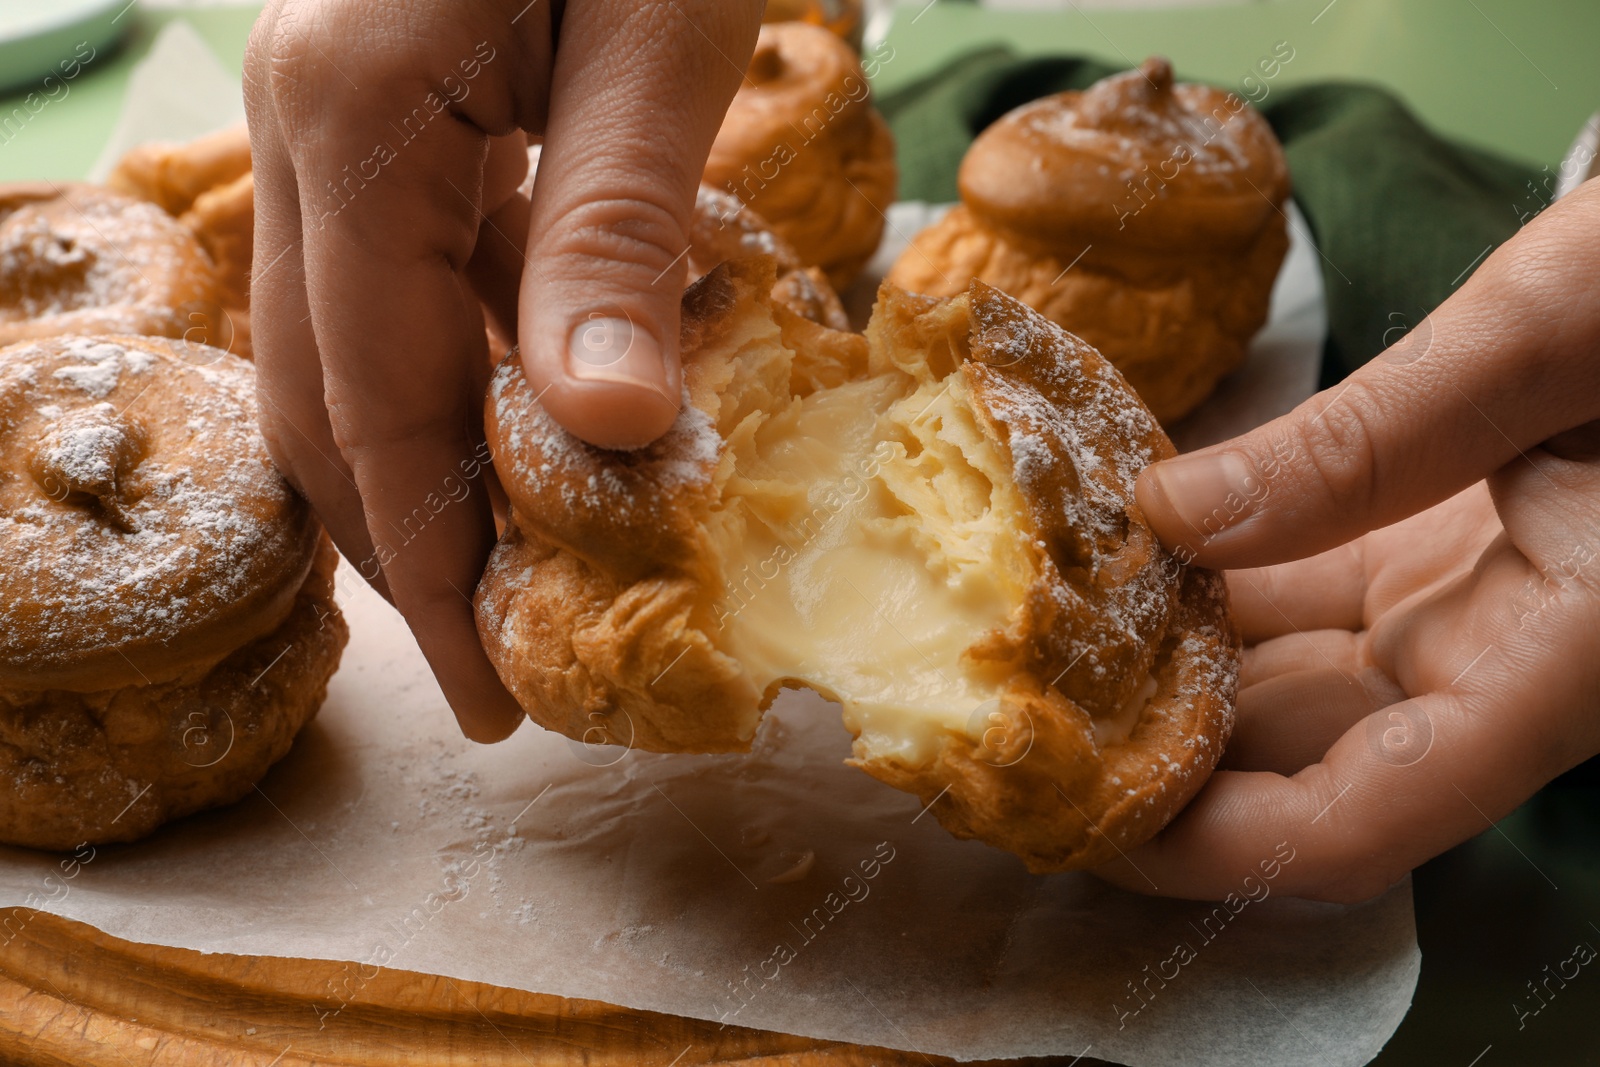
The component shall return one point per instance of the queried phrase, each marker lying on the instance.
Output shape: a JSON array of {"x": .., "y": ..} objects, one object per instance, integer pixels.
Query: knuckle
[
  {"x": 633, "y": 232},
  {"x": 361, "y": 438},
  {"x": 1339, "y": 444},
  {"x": 291, "y": 56},
  {"x": 283, "y": 50},
  {"x": 258, "y": 58},
  {"x": 1542, "y": 263}
]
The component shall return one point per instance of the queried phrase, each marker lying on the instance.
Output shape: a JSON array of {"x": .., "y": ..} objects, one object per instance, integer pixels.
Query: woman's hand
[
  {"x": 1438, "y": 660},
  {"x": 388, "y": 142}
]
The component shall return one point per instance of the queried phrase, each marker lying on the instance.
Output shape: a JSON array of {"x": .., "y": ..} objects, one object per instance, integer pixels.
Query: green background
[
  {"x": 1518, "y": 76},
  {"x": 1524, "y": 88}
]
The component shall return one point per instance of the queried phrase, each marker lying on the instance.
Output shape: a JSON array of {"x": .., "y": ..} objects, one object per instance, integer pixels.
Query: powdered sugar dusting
[
  {"x": 1122, "y": 121},
  {"x": 1079, "y": 436},
  {"x": 100, "y": 365},
  {"x": 197, "y": 517},
  {"x": 86, "y": 259},
  {"x": 543, "y": 461},
  {"x": 85, "y": 452}
]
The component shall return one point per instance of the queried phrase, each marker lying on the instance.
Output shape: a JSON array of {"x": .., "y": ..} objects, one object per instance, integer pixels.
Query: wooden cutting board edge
[{"x": 71, "y": 994}]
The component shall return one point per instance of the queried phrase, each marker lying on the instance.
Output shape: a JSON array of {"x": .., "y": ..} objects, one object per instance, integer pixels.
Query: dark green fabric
[{"x": 1399, "y": 214}]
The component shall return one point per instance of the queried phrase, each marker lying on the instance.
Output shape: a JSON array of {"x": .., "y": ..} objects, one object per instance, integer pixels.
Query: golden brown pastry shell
[
  {"x": 1173, "y": 325},
  {"x": 1143, "y": 215},
  {"x": 803, "y": 145},
  {"x": 194, "y": 545},
  {"x": 223, "y": 220},
  {"x": 1137, "y": 161},
  {"x": 78, "y": 258},
  {"x": 176, "y": 174},
  {"x": 723, "y": 227},
  {"x": 596, "y": 605},
  {"x": 114, "y": 765}
]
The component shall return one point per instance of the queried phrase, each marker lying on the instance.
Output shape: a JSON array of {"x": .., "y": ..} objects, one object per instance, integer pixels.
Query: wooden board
[{"x": 72, "y": 995}]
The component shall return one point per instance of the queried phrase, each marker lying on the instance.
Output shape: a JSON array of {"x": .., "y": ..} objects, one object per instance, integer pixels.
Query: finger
[
  {"x": 400, "y": 335},
  {"x": 495, "y": 269},
  {"x": 1325, "y": 592},
  {"x": 1545, "y": 498},
  {"x": 1339, "y": 651},
  {"x": 1289, "y": 722},
  {"x": 610, "y": 214},
  {"x": 1502, "y": 365},
  {"x": 1580, "y": 445},
  {"x": 498, "y": 262},
  {"x": 1400, "y": 786},
  {"x": 289, "y": 386}
]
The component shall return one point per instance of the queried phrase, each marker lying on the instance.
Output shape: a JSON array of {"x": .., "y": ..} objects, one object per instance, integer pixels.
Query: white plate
[{"x": 38, "y": 36}]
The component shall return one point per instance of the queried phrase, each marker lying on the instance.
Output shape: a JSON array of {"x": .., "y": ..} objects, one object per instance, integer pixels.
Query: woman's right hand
[{"x": 388, "y": 143}]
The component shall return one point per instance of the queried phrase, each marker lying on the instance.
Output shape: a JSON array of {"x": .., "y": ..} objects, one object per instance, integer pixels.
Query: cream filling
[
  {"x": 869, "y": 535},
  {"x": 1115, "y": 729}
]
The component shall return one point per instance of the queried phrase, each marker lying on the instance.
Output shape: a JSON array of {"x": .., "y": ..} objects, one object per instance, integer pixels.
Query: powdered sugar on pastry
[
  {"x": 81, "y": 259},
  {"x": 941, "y": 533},
  {"x": 143, "y": 528}
]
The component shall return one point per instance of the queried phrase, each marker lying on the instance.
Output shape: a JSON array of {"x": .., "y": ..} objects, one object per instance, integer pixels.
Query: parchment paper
[
  {"x": 647, "y": 881},
  {"x": 177, "y": 92},
  {"x": 779, "y": 889}
]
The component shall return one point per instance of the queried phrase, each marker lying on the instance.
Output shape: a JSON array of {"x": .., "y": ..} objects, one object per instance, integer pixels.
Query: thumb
[
  {"x": 638, "y": 92},
  {"x": 1502, "y": 365}
]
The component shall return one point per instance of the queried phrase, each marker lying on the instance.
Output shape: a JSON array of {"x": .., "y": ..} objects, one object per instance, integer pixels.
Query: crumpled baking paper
[{"x": 778, "y": 889}]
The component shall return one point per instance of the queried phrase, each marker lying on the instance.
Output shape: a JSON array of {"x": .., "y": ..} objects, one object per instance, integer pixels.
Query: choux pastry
[
  {"x": 933, "y": 524},
  {"x": 1145, "y": 216},
  {"x": 81, "y": 259},
  {"x": 209, "y": 186},
  {"x": 167, "y": 622},
  {"x": 803, "y": 146}
]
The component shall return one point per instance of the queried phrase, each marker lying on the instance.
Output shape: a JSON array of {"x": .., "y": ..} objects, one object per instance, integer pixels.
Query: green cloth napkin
[{"x": 1400, "y": 215}]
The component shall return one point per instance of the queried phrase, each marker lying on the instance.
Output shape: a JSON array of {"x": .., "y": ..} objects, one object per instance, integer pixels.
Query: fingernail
[
  {"x": 1209, "y": 492},
  {"x": 608, "y": 349}
]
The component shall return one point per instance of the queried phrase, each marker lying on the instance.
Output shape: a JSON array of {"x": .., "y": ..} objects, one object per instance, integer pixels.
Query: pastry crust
[
  {"x": 81, "y": 259},
  {"x": 208, "y": 185},
  {"x": 1144, "y": 216},
  {"x": 724, "y": 228},
  {"x": 1075, "y": 684},
  {"x": 147, "y": 531},
  {"x": 153, "y": 563},
  {"x": 116, "y": 764},
  {"x": 223, "y": 220},
  {"x": 174, "y": 175},
  {"x": 803, "y": 145}
]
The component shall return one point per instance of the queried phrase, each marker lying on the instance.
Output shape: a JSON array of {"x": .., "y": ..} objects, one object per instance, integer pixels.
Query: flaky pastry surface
[
  {"x": 933, "y": 525},
  {"x": 173, "y": 175},
  {"x": 208, "y": 185},
  {"x": 723, "y": 227}
]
